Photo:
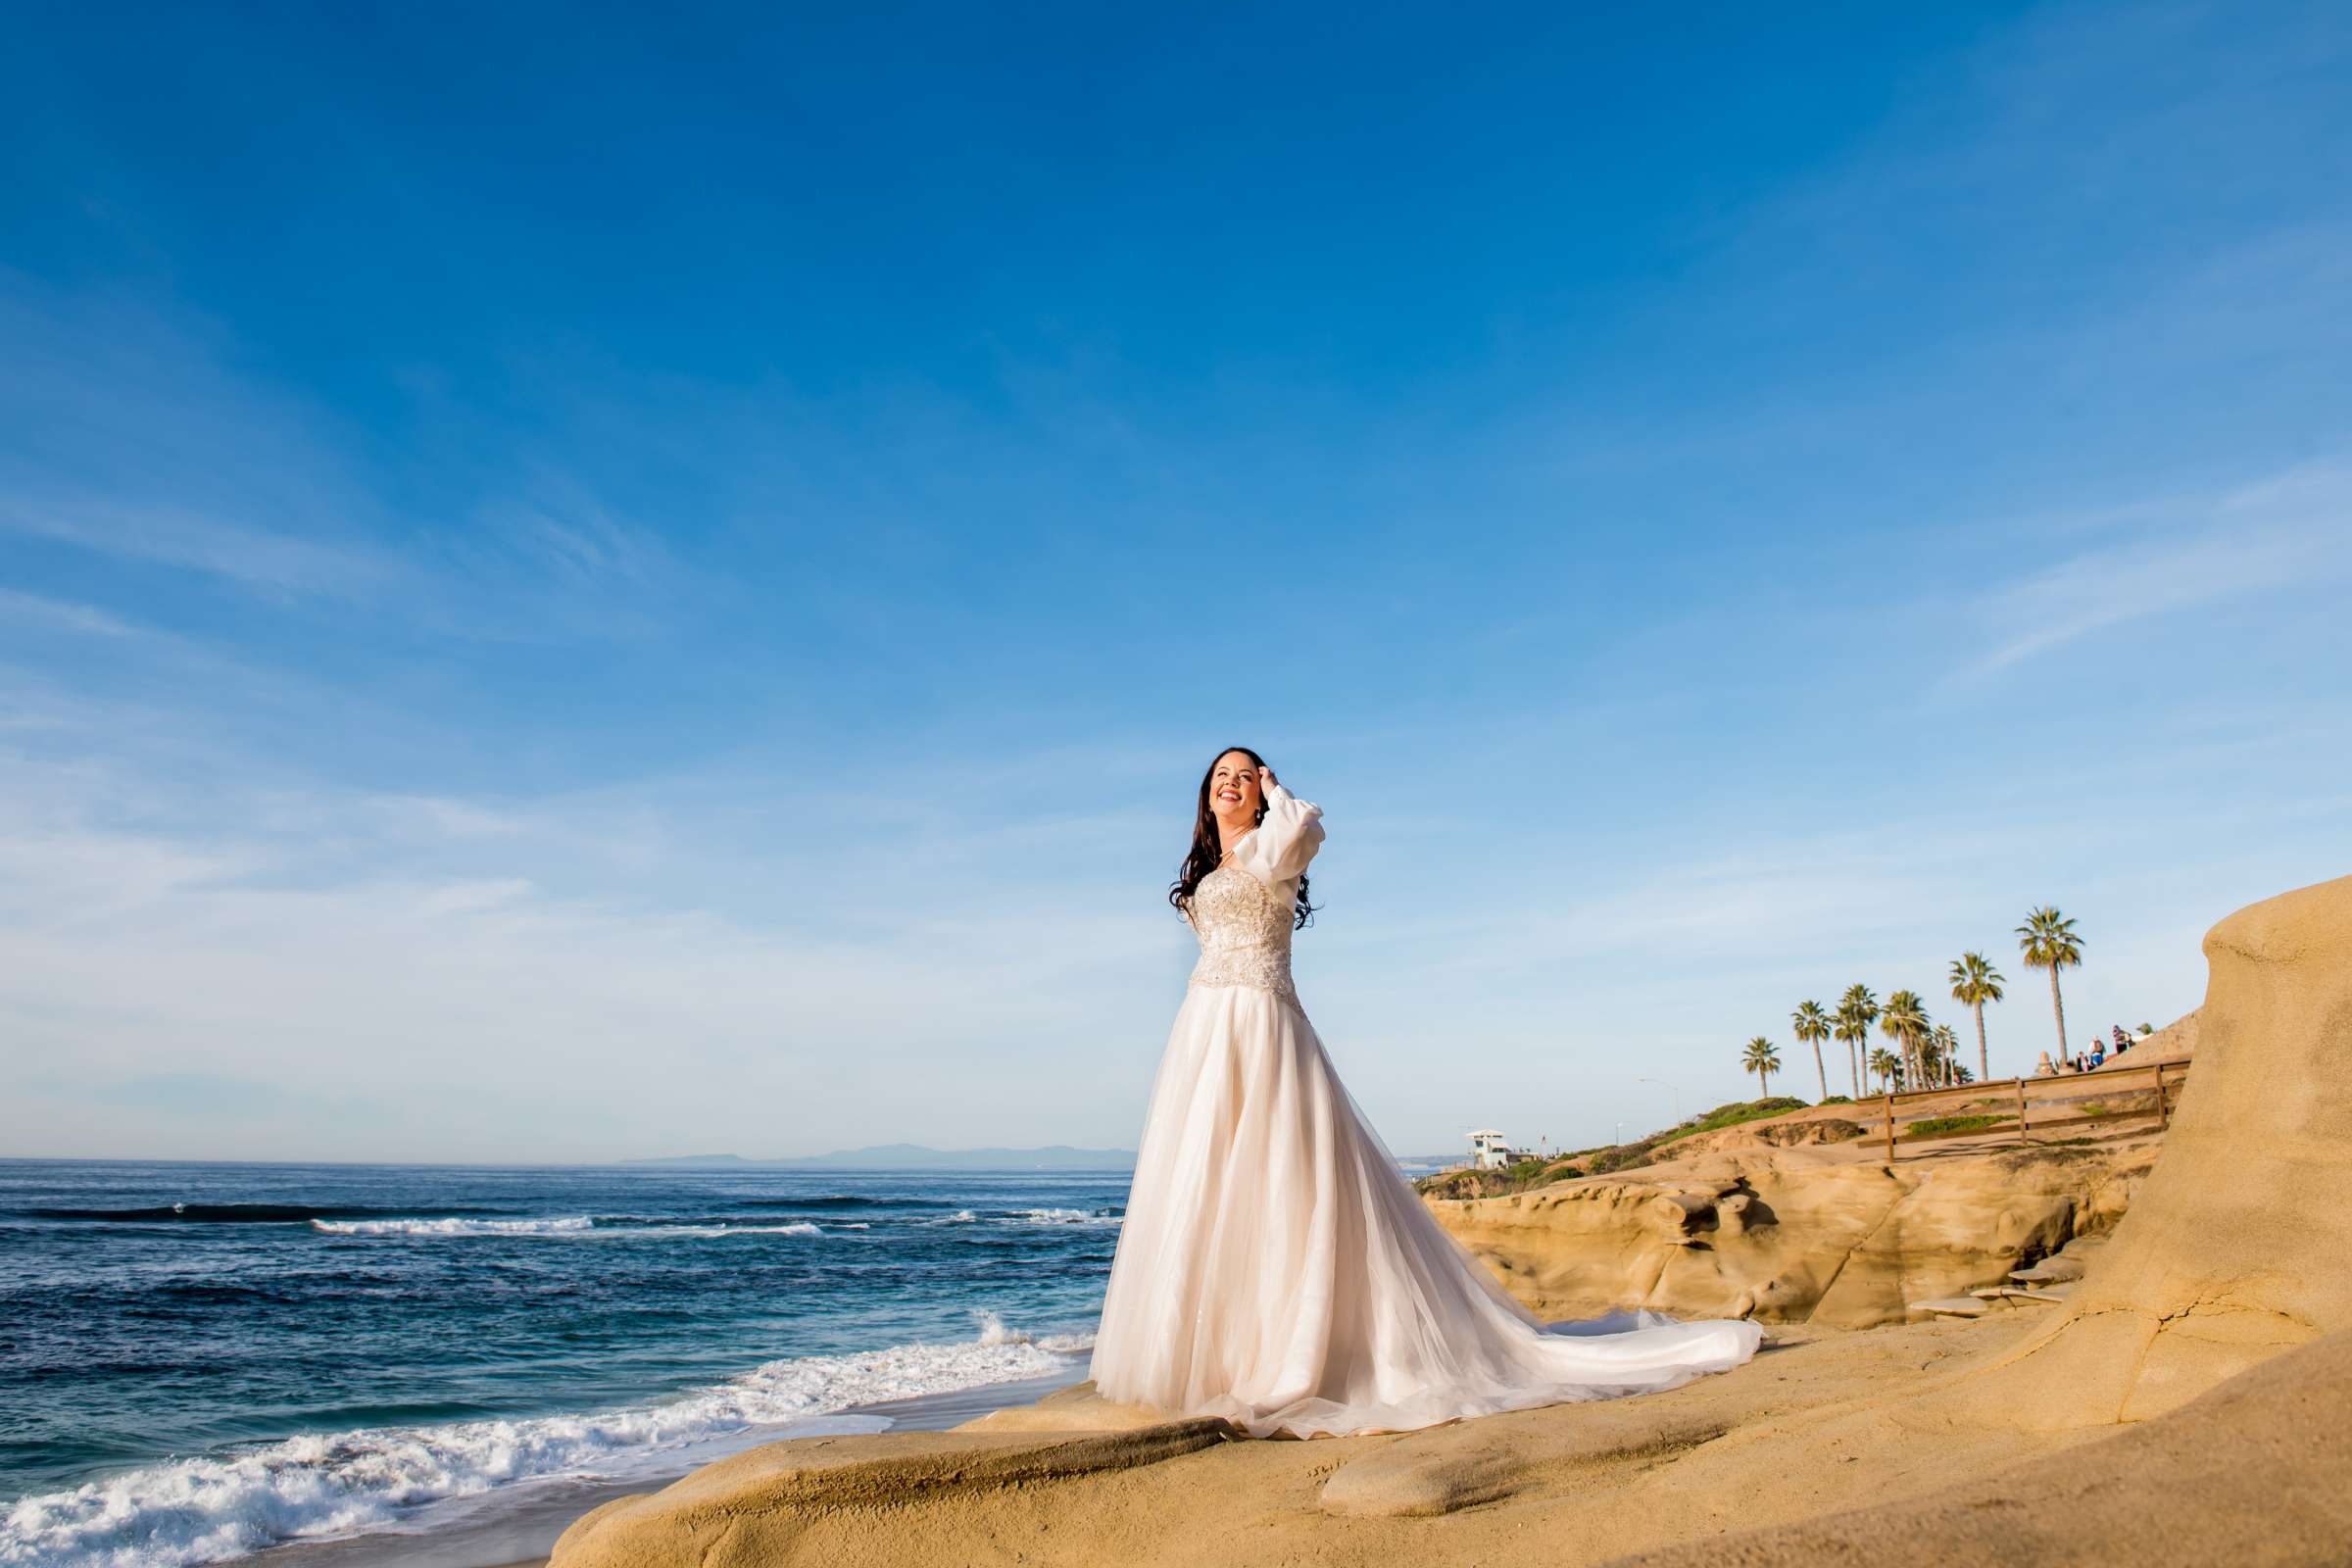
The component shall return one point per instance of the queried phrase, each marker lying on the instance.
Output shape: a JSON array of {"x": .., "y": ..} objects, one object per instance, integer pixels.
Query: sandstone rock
[
  {"x": 2174, "y": 1042},
  {"x": 2221, "y": 1264},
  {"x": 1076, "y": 1408},
  {"x": 1796, "y": 1235},
  {"x": 2257, "y": 1471},
  {"x": 2021, "y": 1293},
  {"x": 1796, "y": 1130},
  {"x": 762, "y": 1506},
  {"x": 1401, "y": 1482},
  {"x": 1442, "y": 1470}
]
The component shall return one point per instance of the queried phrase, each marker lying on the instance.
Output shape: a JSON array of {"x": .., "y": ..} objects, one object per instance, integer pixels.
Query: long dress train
[{"x": 1275, "y": 1268}]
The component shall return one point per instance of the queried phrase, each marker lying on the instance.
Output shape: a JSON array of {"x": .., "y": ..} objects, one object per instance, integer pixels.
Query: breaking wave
[
  {"x": 220, "y": 1213},
  {"x": 574, "y": 1225},
  {"x": 203, "y": 1511}
]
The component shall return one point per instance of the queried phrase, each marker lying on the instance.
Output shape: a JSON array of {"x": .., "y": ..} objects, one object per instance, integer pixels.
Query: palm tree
[
  {"x": 1905, "y": 1019},
  {"x": 1974, "y": 982},
  {"x": 1857, "y": 1009},
  {"x": 1812, "y": 1026},
  {"x": 2048, "y": 941},
  {"x": 1883, "y": 1062},
  {"x": 1762, "y": 1059},
  {"x": 1947, "y": 1053}
]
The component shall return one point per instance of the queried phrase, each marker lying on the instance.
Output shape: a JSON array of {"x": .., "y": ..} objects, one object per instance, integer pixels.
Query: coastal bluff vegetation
[{"x": 2132, "y": 1348}]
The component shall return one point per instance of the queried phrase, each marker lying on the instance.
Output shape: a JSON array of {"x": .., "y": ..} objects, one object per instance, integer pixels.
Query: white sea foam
[
  {"x": 572, "y": 1226},
  {"x": 576, "y": 1225},
  {"x": 796, "y": 1228},
  {"x": 203, "y": 1511},
  {"x": 1064, "y": 1216}
]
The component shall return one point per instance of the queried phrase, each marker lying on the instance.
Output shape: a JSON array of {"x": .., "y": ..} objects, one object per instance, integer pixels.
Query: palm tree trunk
[
  {"x": 1819, "y": 1071},
  {"x": 2058, "y": 1006},
  {"x": 1983, "y": 1063},
  {"x": 1854, "y": 1066}
]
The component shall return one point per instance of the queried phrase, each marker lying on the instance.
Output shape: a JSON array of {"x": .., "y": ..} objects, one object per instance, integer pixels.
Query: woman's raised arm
[{"x": 1286, "y": 839}]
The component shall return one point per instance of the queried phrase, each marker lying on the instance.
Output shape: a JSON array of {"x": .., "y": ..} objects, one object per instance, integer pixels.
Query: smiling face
[{"x": 1234, "y": 792}]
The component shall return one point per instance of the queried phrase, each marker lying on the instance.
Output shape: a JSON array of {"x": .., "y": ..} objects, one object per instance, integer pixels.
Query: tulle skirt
[{"x": 1275, "y": 1268}]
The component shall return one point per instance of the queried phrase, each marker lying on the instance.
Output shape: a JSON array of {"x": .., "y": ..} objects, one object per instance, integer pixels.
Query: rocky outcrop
[
  {"x": 2174, "y": 1042},
  {"x": 800, "y": 1501},
  {"x": 2235, "y": 1250},
  {"x": 2258, "y": 1470},
  {"x": 1794, "y": 1235},
  {"x": 1801, "y": 1131}
]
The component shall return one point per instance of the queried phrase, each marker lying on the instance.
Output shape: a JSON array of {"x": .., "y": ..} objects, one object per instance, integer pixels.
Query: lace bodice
[
  {"x": 1241, "y": 911},
  {"x": 1245, "y": 935}
]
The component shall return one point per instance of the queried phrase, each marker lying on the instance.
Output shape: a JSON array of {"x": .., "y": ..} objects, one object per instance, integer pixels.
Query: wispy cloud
[
  {"x": 275, "y": 562},
  {"x": 2294, "y": 528},
  {"x": 84, "y": 619},
  {"x": 123, "y": 431},
  {"x": 470, "y": 997},
  {"x": 139, "y": 435}
]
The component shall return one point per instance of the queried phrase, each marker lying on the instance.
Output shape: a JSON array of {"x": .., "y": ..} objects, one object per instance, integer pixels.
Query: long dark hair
[{"x": 1203, "y": 858}]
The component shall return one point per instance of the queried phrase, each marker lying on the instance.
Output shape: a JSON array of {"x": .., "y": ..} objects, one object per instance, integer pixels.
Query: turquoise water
[{"x": 199, "y": 1361}]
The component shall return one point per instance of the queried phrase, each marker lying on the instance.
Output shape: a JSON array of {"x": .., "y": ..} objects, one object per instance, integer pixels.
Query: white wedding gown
[{"x": 1275, "y": 1268}]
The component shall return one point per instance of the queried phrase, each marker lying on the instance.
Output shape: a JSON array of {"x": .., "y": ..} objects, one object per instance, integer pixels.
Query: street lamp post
[{"x": 1672, "y": 1090}]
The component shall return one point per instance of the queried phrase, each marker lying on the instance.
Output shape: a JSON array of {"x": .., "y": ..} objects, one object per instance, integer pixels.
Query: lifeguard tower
[{"x": 1489, "y": 1150}]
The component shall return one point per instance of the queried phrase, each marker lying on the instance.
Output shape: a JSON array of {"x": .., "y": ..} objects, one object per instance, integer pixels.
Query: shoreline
[{"x": 516, "y": 1526}]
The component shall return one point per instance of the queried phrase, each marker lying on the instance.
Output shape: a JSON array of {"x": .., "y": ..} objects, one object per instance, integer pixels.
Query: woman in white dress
[{"x": 1275, "y": 1268}]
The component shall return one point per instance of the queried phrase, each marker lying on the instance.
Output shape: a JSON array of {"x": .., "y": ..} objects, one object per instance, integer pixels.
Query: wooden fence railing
[{"x": 2163, "y": 1078}]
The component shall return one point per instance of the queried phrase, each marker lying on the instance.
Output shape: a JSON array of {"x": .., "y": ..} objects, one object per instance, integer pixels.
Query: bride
[{"x": 1275, "y": 1268}]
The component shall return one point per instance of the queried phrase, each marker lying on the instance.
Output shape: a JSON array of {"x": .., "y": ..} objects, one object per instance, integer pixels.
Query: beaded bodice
[{"x": 1245, "y": 935}]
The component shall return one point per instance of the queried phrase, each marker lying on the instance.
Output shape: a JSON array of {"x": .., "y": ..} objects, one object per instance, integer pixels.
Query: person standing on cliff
[{"x": 1274, "y": 1267}]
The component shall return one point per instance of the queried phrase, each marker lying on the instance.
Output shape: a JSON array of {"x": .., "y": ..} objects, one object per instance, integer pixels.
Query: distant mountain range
[{"x": 915, "y": 1156}]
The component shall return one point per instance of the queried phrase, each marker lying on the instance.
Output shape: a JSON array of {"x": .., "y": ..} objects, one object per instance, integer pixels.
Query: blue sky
[{"x": 578, "y": 583}]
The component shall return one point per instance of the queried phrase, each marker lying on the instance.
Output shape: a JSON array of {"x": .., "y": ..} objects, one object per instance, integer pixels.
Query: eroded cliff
[{"x": 1797, "y": 1235}]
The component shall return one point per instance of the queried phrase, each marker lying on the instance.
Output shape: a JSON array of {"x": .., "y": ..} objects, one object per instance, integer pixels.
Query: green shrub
[
  {"x": 1624, "y": 1156},
  {"x": 1731, "y": 1115},
  {"x": 1933, "y": 1125}
]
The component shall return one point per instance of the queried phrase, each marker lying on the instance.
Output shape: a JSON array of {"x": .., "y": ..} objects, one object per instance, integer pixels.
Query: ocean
[{"x": 199, "y": 1362}]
